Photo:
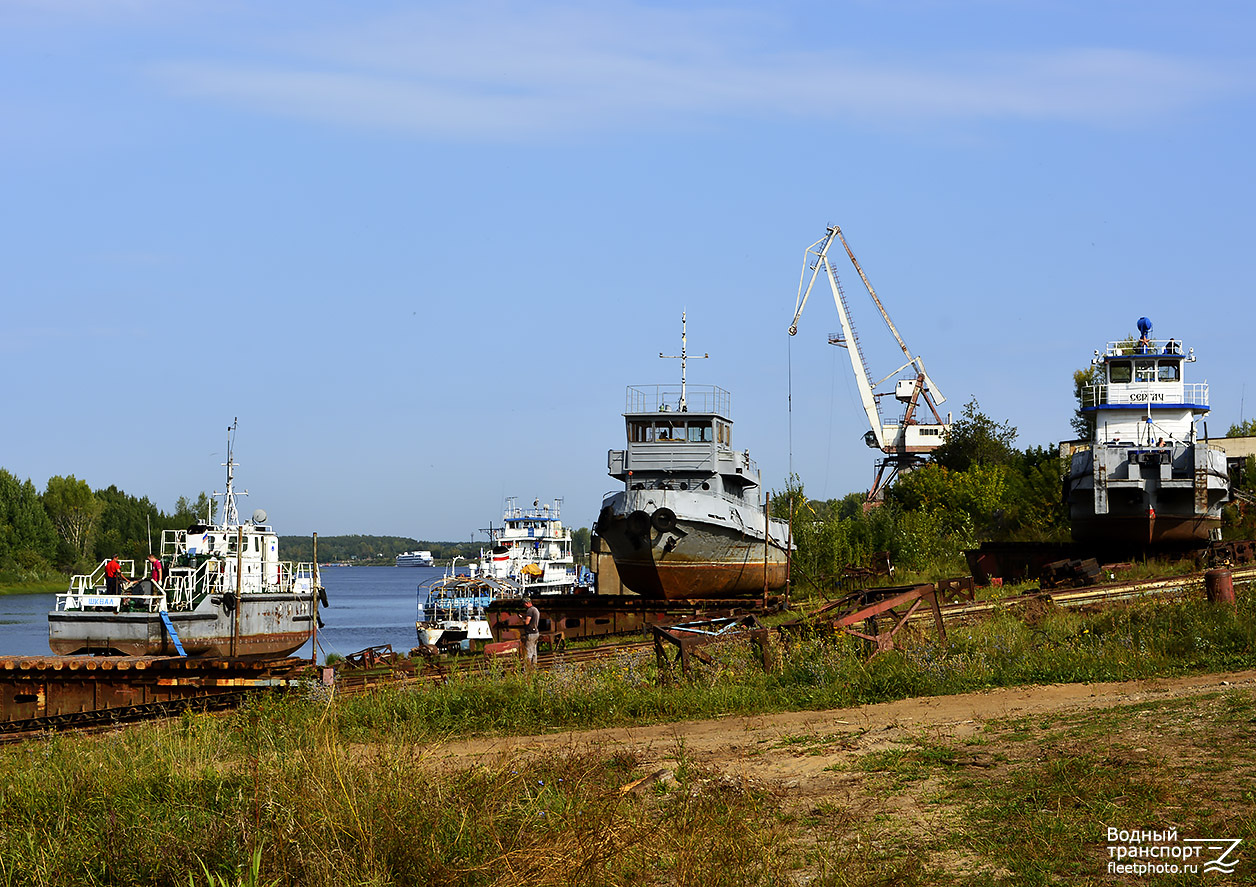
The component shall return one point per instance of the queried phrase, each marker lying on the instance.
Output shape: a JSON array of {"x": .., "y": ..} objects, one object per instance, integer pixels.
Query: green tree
[
  {"x": 581, "y": 540},
  {"x": 1084, "y": 423},
  {"x": 27, "y": 536},
  {"x": 976, "y": 439},
  {"x": 73, "y": 510},
  {"x": 193, "y": 511},
  {"x": 127, "y": 525},
  {"x": 1243, "y": 429}
]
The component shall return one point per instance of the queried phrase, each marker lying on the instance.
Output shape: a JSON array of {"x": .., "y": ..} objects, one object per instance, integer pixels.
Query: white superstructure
[
  {"x": 415, "y": 559},
  {"x": 532, "y": 547}
]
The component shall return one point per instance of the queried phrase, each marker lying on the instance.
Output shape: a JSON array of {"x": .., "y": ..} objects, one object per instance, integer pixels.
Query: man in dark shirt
[{"x": 531, "y": 630}]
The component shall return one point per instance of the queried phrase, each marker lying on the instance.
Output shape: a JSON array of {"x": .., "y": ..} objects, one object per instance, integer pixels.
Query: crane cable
[{"x": 789, "y": 400}]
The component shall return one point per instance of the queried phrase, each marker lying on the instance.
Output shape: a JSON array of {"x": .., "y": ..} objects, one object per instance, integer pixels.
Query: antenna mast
[
  {"x": 683, "y": 357},
  {"x": 230, "y": 514}
]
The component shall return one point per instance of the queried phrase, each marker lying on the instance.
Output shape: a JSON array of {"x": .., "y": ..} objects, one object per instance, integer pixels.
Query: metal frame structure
[
  {"x": 681, "y": 643},
  {"x": 907, "y": 443}
]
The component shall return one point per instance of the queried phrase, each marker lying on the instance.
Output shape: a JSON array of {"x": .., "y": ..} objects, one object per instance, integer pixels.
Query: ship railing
[
  {"x": 1128, "y": 347},
  {"x": 89, "y": 583},
  {"x": 442, "y": 609},
  {"x": 297, "y": 578},
  {"x": 1135, "y": 394},
  {"x": 88, "y": 592},
  {"x": 95, "y": 602},
  {"x": 666, "y": 398}
]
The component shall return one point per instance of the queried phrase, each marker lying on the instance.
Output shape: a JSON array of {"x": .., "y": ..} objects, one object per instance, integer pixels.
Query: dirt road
[{"x": 802, "y": 752}]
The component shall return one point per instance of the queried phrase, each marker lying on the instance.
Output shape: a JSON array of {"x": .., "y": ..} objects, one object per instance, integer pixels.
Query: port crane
[{"x": 907, "y": 442}]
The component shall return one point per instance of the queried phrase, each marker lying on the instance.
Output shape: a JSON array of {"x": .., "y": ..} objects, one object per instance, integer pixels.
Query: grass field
[{"x": 306, "y": 789}]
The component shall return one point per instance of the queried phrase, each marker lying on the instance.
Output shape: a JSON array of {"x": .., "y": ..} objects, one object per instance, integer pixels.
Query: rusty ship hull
[
  {"x": 665, "y": 552},
  {"x": 267, "y": 625}
]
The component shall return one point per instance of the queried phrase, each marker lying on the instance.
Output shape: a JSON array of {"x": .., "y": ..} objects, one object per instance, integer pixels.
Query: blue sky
[{"x": 420, "y": 249}]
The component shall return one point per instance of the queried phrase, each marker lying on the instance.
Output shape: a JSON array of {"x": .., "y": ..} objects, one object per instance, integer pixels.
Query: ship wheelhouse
[
  {"x": 1145, "y": 477},
  {"x": 682, "y": 449},
  {"x": 1141, "y": 397}
]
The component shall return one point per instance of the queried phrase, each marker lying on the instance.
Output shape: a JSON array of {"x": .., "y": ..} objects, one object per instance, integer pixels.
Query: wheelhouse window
[
  {"x": 1144, "y": 371},
  {"x": 1169, "y": 371},
  {"x": 668, "y": 430},
  {"x": 1120, "y": 371}
]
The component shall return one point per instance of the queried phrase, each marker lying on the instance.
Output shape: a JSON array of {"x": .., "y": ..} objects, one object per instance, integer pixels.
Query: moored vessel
[
  {"x": 529, "y": 554},
  {"x": 217, "y": 589},
  {"x": 531, "y": 549},
  {"x": 1146, "y": 478},
  {"x": 415, "y": 559},
  {"x": 453, "y": 610},
  {"x": 690, "y": 522}
]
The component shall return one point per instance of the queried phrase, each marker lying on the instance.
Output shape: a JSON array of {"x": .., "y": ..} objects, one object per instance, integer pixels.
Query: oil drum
[{"x": 1219, "y": 585}]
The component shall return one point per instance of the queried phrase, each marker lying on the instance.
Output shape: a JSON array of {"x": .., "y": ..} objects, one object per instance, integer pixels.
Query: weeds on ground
[
  {"x": 265, "y": 796},
  {"x": 1008, "y": 648}
]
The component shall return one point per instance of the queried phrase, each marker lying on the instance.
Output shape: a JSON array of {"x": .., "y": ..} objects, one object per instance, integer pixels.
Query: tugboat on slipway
[
  {"x": 1146, "y": 478},
  {"x": 690, "y": 522},
  {"x": 218, "y": 589}
]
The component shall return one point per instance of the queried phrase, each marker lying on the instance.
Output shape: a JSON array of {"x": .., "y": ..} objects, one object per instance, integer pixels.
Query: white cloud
[{"x": 503, "y": 71}]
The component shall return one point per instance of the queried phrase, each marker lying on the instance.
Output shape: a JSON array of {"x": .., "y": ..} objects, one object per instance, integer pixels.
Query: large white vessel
[
  {"x": 217, "y": 589},
  {"x": 1146, "y": 478},
  {"x": 532, "y": 549},
  {"x": 529, "y": 554},
  {"x": 415, "y": 559}
]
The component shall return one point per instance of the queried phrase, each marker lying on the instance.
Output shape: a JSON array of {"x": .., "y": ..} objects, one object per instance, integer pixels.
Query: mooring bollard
[{"x": 1219, "y": 586}]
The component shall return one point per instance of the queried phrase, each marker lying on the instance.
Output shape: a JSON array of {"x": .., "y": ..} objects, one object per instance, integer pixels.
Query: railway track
[
  {"x": 43, "y": 694},
  {"x": 1078, "y": 597}
]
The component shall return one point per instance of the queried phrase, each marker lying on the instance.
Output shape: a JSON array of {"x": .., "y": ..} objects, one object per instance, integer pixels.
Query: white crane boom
[
  {"x": 909, "y": 438},
  {"x": 871, "y": 407}
]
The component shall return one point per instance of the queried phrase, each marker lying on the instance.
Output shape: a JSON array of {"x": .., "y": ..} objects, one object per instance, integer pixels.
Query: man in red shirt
[{"x": 113, "y": 576}]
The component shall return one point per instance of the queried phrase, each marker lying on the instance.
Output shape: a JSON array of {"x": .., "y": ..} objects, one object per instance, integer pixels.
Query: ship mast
[
  {"x": 683, "y": 357},
  {"x": 231, "y": 514}
]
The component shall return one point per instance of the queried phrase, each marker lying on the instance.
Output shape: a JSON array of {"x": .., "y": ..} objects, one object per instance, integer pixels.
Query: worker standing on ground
[{"x": 531, "y": 630}]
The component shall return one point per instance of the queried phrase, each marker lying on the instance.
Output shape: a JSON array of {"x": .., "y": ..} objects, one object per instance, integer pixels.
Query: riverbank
[{"x": 42, "y": 586}]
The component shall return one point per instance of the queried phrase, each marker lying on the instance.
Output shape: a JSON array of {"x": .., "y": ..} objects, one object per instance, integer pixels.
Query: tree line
[
  {"x": 977, "y": 487},
  {"x": 69, "y": 527},
  {"x": 356, "y": 549}
]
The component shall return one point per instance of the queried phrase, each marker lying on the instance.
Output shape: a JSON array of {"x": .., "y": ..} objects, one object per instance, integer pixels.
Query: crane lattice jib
[{"x": 859, "y": 364}]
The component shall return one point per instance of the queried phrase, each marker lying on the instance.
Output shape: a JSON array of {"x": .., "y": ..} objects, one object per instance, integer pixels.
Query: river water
[{"x": 367, "y": 606}]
